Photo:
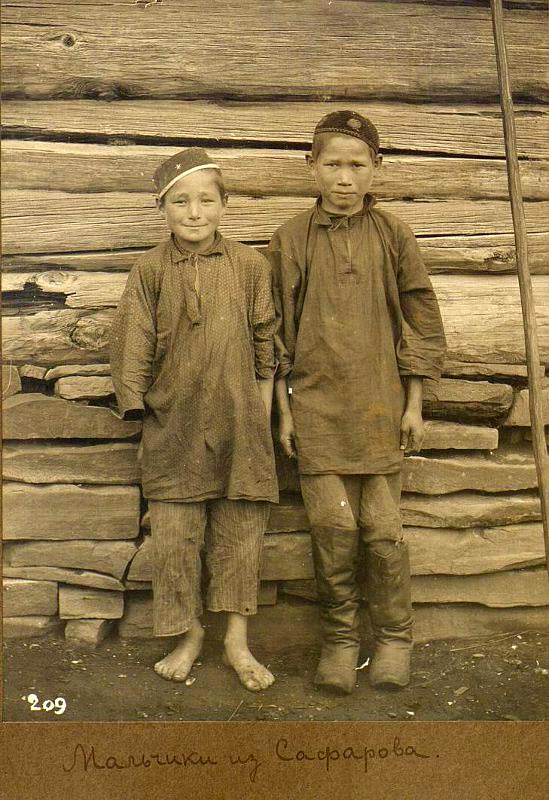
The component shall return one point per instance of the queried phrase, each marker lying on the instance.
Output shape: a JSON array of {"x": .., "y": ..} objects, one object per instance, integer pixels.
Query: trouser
[
  {"x": 356, "y": 534},
  {"x": 232, "y": 532}
]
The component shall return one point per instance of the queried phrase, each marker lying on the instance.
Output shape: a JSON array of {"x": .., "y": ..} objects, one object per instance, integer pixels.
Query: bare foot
[
  {"x": 252, "y": 675},
  {"x": 177, "y": 664}
]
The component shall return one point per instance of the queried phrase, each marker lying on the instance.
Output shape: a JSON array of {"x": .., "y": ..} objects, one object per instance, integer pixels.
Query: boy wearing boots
[{"x": 358, "y": 330}]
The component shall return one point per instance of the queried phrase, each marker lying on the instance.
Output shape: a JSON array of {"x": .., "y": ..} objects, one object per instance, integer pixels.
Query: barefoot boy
[
  {"x": 359, "y": 330},
  {"x": 193, "y": 355}
]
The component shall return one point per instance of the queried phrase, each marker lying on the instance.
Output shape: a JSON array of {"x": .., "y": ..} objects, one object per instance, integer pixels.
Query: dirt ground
[{"x": 505, "y": 677}]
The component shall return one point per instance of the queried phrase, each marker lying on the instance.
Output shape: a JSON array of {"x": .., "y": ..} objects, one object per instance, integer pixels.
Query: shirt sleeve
[
  {"x": 263, "y": 322},
  {"x": 284, "y": 311},
  {"x": 133, "y": 342},
  {"x": 422, "y": 345}
]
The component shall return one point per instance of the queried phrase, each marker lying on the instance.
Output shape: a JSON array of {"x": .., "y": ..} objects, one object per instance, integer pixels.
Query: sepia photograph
[{"x": 275, "y": 371}]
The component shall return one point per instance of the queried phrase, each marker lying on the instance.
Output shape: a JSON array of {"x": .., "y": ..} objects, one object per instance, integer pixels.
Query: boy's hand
[
  {"x": 412, "y": 431},
  {"x": 286, "y": 434}
]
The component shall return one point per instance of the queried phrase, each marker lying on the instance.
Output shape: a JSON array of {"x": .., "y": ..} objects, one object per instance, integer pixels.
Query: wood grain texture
[
  {"x": 445, "y": 473},
  {"x": 36, "y": 416},
  {"x": 48, "y": 462},
  {"x": 261, "y": 49},
  {"x": 496, "y": 589},
  {"x": 461, "y": 129},
  {"x": 469, "y": 254},
  {"x": 257, "y": 172},
  {"x": 466, "y": 401},
  {"x": 476, "y": 550},
  {"x": 75, "y": 602},
  {"x": 107, "y": 557},
  {"x": 67, "y": 511},
  {"x": 80, "y": 577},
  {"x": 50, "y": 221},
  {"x": 59, "y": 337},
  {"x": 469, "y": 509},
  {"x": 481, "y": 315}
]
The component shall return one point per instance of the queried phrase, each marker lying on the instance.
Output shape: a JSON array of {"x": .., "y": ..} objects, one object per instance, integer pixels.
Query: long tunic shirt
[
  {"x": 356, "y": 312},
  {"x": 192, "y": 335}
]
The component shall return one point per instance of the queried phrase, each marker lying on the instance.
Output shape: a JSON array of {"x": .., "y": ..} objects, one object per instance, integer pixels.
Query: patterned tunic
[
  {"x": 356, "y": 312},
  {"x": 192, "y": 335}
]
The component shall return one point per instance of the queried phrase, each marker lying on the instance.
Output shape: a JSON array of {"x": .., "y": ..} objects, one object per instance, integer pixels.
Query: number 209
[{"x": 58, "y": 706}]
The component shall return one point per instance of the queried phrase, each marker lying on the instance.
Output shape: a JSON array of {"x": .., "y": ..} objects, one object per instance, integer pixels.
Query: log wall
[{"x": 96, "y": 94}]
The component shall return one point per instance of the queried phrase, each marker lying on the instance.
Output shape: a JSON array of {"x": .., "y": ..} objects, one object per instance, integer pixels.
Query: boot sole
[
  {"x": 333, "y": 688},
  {"x": 389, "y": 686}
]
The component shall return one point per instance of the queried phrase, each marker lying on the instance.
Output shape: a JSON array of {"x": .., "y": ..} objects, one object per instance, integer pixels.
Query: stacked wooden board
[{"x": 91, "y": 108}]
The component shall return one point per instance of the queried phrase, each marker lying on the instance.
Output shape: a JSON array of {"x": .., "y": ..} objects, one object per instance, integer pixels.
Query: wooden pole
[{"x": 526, "y": 295}]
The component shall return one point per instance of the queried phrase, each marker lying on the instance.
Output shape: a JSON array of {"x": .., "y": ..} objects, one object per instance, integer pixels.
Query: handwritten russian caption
[{"x": 327, "y": 757}]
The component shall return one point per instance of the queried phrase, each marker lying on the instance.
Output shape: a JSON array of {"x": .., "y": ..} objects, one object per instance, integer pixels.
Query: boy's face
[
  {"x": 193, "y": 208},
  {"x": 344, "y": 170}
]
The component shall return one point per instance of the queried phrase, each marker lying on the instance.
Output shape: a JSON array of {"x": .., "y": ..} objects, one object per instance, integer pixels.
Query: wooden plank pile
[{"x": 82, "y": 137}]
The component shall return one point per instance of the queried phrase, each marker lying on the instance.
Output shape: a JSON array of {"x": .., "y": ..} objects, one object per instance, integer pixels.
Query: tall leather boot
[
  {"x": 387, "y": 573},
  {"x": 335, "y": 553}
]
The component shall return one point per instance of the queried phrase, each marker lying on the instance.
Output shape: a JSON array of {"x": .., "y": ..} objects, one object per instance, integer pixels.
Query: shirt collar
[
  {"x": 179, "y": 254},
  {"x": 323, "y": 218}
]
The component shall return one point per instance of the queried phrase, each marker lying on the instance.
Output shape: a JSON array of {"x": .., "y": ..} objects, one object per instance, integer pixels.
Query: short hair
[
  {"x": 219, "y": 182},
  {"x": 321, "y": 139}
]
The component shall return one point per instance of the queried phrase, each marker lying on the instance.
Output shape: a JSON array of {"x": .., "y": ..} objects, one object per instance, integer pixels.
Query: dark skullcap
[
  {"x": 179, "y": 165},
  {"x": 349, "y": 123}
]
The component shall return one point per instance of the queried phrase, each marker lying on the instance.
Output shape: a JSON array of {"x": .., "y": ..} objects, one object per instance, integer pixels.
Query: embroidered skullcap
[
  {"x": 179, "y": 165},
  {"x": 349, "y": 123}
]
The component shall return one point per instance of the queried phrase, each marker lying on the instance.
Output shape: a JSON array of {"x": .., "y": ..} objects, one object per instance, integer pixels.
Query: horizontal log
[
  {"x": 66, "y": 511},
  {"x": 466, "y": 401},
  {"x": 463, "y": 621},
  {"x": 82, "y": 53},
  {"x": 508, "y": 372},
  {"x": 520, "y": 412},
  {"x": 483, "y": 253},
  {"x": 469, "y": 509},
  {"x": 76, "y": 369},
  {"x": 481, "y": 314},
  {"x": 11, "y": 381},
  {"x": 35, "y": 416},
  {"x": 498, "y": 589},
  {"x": 23, "y": 597},
  {"x": 45, "y": 221},
  {"x": 296, "y": 625},
  {"x": 476, "y": 550},
  {"x": 68, "y": 167},
  {"x": 111, "y": 558},
  {"x": 76, "y": 602},
  {"x": 29, "y": 627},
  {"x": 80, "y": 577},
  {"x": 44, "y": 462},
  {"x": 441, "y": 475},
  {"x": 487, "y": 326},
  {"x": 53, "y": 337},
  {"x": 460, "y": 129},
  {"x": 454, "y": 436},
  {"x": 84, "y": 387}
]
